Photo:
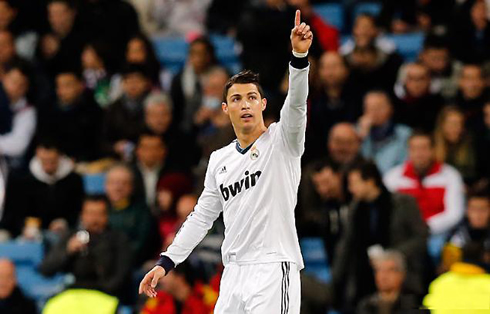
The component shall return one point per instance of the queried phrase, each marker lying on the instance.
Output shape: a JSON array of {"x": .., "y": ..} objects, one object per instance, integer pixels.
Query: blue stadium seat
[
  {"x": 332, "y": 13},
  {"x": 94, "y": 183},
  {"x": 172, "y": 52},
  {"x": 372, "y": 8},
  {"x": 22, "y": 253},
  {"x": 315, "y": 258},
  {"x": 408, "y": 45},
  {"x": 37, "y": 286}
]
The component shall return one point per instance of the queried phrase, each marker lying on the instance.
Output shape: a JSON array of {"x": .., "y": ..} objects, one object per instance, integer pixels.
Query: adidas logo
[
  {"x": 223, "y": 170},
  {"x": 233, "y": 189}
]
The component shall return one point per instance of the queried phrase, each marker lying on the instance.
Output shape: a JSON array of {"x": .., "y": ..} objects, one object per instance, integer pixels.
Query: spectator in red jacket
[{"x": 437, "y": 187}]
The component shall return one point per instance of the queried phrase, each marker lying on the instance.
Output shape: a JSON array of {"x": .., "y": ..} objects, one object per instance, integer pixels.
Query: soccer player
[{"x": 254, "y": 182}]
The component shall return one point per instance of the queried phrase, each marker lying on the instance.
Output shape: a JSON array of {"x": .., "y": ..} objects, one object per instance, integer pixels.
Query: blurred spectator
[
  {"x": 474, "y": 229},
  {"x": 139, "y": 50},
  {"x": 344, "y": 145},
  {"x": 466, "y": 285},
  {"x": 337, "y": 99},
  {"x": 180, "y": 18},
  {"x": 267, "y": 52},
  {"x": 96, "y": 255},
  {"x": 364, "y": 33},
  {"x": 181, "y": 149},
  {"x": 223, "y": 16},
  {"x": 453, "y": 144},
  {"x": 324, "y": 214},
  {"x": 17, "y": 116},
  {"x": 7, "y": 50},
  {"x": 326, "y": 37},
  {"x": 74, "y": 120},
  {"x": 373, "y": 60},
  {"x": 127, "y": 214},
  {"x": 51, "y": 191},
  {"x": 472, "y": 92},
  {"x": 394, "y": 223},
  {"x": 373, "y": 68},
  {"x": 444, "y": 71},
  {"x": 186, "y": 90},
  {"x": 96, "y": 70},
  {"x": 61, "y": 47},
  {"x": 413, "y": 96},
  {"x": 171, "y": 189},
  {"x": 482, "y": 144},
  {"x": 110, "y": 21},
  {"x": 12, "y": 300},
  {"x": 384, "y": 141},
  {"x": 21, "y": 26},
  {"x": 437, "y": 187},
  {"x": 389, "y": 274},
  {"x": 470, "y": 33},
  {"x": 124, "y": 119},
  {"x": 149, "y": 166},
  {"x": 179, "y": 294},
  {"x": 409, "y": 15},
  {"x": 212, "y": 94}
]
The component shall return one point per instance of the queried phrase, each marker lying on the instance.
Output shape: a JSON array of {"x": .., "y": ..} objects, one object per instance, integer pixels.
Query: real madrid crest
[{"x": 254, "y": 153}]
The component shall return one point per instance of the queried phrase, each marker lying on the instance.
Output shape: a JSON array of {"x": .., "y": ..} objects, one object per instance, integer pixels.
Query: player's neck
[{"x": 246, "y": 138}]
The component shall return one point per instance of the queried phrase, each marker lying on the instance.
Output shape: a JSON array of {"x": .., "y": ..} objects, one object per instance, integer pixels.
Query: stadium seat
[
  {"x": 22, "y": 253},
  {"x": 37, "y": 286},
  {"x": 408, "y": 45},
  {"x": 331, "y": 13},
  {"x": 315, "y": 258},
  {"x": 372, "y": 8},
  {"x": 94, "y": 183},
  {"x": 172, "y": 52}
]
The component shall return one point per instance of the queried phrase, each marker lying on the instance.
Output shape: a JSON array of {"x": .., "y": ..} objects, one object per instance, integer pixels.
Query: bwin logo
[{"x": 235, "y": 188}]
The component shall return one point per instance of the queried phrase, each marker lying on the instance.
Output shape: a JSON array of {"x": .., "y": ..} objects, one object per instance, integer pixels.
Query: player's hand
[
  {"x": 149, "y": 283},
  {"x": 301, "y": 35}
]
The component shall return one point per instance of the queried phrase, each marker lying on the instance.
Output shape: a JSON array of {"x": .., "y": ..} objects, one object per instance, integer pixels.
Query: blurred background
[{"x": 110, "y": 109}]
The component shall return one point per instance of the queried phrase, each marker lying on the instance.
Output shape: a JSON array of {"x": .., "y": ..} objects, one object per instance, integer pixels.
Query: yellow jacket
[{"x": 465, "y": 287}]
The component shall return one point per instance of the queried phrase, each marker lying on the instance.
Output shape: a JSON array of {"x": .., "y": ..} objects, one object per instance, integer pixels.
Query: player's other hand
[
  {"x": 149, "y": 283},
  {"x": 301, "y": 35}
]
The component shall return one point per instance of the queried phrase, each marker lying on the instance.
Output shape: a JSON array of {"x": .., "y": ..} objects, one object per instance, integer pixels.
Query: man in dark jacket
[
  {"x": 379, "y": 220},
  {"x": 12, "y": 300},
  {"x": 51, "y": 191},
  {"x": 75, "y": 120},
  {"x": 96, "y": 255}
]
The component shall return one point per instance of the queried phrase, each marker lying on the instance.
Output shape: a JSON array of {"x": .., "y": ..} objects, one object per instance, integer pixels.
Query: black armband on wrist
[
  {"x": 299, "y": 63},
  {"x": 166, "y": 263}
]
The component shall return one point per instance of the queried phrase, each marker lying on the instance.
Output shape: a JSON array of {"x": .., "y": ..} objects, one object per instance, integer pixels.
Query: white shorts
[{"x": 270, "y": 288}]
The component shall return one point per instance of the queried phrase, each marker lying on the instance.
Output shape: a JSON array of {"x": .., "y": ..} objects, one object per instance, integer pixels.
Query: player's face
[{"x": 244, "y": 106}]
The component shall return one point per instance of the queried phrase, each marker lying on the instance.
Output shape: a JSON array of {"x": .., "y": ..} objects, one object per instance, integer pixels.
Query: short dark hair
[
  {"x": 244, "y": 77},
  {"x": 75, "y": 72},
  {"x": 327, "y": 163},
  {"x": 368, "y": 171},
  {"x": 135, "y": 68},
  {"x": 438, "y": 42},
  {"x": 49, "y": 143},
  {"x": 69, "y": 3},
  {"x": 422, "y": 133},
  {"x": 97, "y": 198},
  {"x": 149, "y": 133},
  {"x": 478, "y": 193},
  {"x": 20, "y": 65}
]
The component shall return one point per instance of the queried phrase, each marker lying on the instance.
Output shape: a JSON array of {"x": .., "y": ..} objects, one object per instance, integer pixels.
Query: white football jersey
[{"x": 256, "y": 189}]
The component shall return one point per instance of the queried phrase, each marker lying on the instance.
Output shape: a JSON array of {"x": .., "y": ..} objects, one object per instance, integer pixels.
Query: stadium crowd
[{"x": 397, "y": 152}]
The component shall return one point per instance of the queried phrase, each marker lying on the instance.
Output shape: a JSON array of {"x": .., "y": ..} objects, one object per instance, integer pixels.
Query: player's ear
[
  {"x": 224, "y": 106},
  {"x": 264, "y": 103}
]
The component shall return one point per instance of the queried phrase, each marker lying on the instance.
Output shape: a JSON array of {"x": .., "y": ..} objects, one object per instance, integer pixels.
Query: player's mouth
[{"x": 246, "y": 116}]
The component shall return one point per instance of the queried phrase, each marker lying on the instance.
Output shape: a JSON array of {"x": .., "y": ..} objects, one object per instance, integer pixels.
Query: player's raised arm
[{"x": 293, "y": 113}]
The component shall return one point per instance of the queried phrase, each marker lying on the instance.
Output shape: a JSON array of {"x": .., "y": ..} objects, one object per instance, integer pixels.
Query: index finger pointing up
[{"x": 297, "y": 19}]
